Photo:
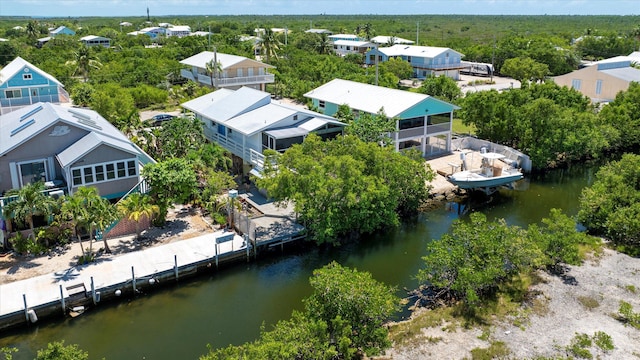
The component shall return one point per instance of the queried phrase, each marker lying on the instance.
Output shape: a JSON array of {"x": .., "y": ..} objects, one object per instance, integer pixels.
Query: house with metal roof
[
  {"x": 237, "y": 71},
  {"x": 247, "y": 121},
  {"x": 22, "y": 84},
  {"x": 61, "y": 30},
  {"x": 422, "y": 121},
  {"x": 67, "y": 148},
  {"x": 390, "y": 40},
  {"x": 602, "y": 80},
  {"x": 94, "y": 40},
  {"x": 152, "y": 32},
  {"x": 346, "y": 47},
  {"x": 425, "y": 60},
  {"x": 178, "y": 31}
]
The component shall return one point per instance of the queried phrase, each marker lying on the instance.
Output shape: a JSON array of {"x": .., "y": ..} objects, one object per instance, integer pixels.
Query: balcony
[
  {"x": 247, "y": 154},
  {"x": 436, "y": 67},
  {"x": 419, "y": 131},
  {"x": 230, "y": 81}
]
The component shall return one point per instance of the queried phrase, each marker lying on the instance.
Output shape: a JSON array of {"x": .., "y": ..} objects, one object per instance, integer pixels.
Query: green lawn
[{"x": 460, "y": 128}]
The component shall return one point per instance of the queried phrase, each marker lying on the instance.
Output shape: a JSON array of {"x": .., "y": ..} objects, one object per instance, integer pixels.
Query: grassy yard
[{"x": 460, "y": 128}]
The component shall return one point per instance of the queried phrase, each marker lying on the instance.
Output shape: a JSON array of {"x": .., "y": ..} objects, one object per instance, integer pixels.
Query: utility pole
[
  {"x": 417, "y": 32},
  {"x": 493, "y": 55},
  {"x": 377, "y": 66}
]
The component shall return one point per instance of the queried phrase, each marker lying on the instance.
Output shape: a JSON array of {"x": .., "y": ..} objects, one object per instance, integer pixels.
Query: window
[
  {"x": 27, "y": 77},
  {"x": 10, "y": 94},
  {"x": 372, "y": 58},
  {"x": 111, "y": 172},
  {"x": 131, "y": 168},
  {"x": 99, "y": 173},
  {"x": 598, "y": 87},
  {"x": 409, "y": 58},
  {"x": 88, "y": 175},
  {"x": 575, "y": 83},
  {"x": 104, "y": 172},
  {"x": 77, "y": 177},
  {"x": 411, "y": 123},
  {"x": 31, "y": 172},
  {"x": 121, "y": 171},
  {"x": 321, "y": 104}
]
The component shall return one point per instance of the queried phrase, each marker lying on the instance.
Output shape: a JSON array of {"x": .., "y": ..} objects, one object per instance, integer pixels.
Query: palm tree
[
  {"x": 269, "y": 45},
  {"x": 213, "y": 69},
  {"x": 31, "y": 201},
  {"x": 104, "y": 214},
  {"x": 84, "y": 62},
  {"x": 138, "y": 206},
  {"x": 87, "y": 210},
  {"x": 74, "y": 212},
  {"x": 33, "y": 29},
  {"x": 368, "y": 30},
  {"x": 323, "y": 46}
]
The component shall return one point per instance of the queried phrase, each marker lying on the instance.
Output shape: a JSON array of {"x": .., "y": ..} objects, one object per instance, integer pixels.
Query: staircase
[{"x": 141, "y": 187}]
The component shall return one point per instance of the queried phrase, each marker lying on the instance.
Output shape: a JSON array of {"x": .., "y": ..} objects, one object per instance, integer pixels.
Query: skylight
[
  {"x": 23, "y": 117},
  {"x": 23, "y": 126}
]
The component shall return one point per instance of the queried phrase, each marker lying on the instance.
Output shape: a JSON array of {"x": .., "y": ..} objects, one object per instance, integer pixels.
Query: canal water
[{"x": 229, "y": 307}]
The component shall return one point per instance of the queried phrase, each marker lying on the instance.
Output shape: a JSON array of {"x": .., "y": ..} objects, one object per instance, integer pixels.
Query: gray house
[{"x": 66, "y": 148}]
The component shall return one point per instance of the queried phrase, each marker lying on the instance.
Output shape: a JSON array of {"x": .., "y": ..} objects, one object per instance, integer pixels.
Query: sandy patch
[{"x": 609, "y": 279}]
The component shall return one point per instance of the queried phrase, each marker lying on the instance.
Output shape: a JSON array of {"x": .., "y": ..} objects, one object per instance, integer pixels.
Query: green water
[{"x": 228, "y": 307}]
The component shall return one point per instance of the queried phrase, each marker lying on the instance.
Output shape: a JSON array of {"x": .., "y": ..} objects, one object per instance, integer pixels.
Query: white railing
[
  {"x": 438, "y": 128},
  {"x": 257, "y": 159},
  {"x": 233, "y": 146},
  {"x": 411, "y": 133},
  {"x": 229, "y": 81}
]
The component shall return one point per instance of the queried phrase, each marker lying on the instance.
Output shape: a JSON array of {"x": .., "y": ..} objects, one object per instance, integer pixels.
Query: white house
[
  {"x": 425, "y": 60},
  {"x": 346, "y": 47},
  {"x": 93, "y": 40},
  {"x": 178, "y": 31},
  {"x": 390, "y": 40},
  {"x": 247, "y": 121},
  {"x": 237, "y": 71},
  {"x": 423, "y": 122}
]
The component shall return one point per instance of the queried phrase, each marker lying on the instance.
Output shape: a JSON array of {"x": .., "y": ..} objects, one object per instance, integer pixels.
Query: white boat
[{"x": 491, "y": 175}]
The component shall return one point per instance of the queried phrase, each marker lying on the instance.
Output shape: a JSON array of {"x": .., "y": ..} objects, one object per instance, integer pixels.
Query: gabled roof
[
  {"x": 224, "y": 104},
  {"x": 386, "y": 39},
  {"x": 625, "y": 73},
  {"x": 417, "y": 51},
  {"x": 319, "y": 31},
  {"x": 200, "y": 60},
  {"x": 18, "y": 126},
  {"x": 344, "y": 36},
  {"x": 17, "y": 65},
  {"x": 302, "y": 128},
  {"x": 90, "y": 142},
  {"x": 369, "y": 98},
  {"x": 60, "y": 29},
  {"x": 249, "y": 111},
  {"x": 93, "y": 37},
  {"x": 179, "y": 28},
  {"x": 356, "y": 43}
]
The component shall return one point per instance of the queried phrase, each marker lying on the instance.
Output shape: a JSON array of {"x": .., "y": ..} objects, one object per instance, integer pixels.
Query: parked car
[{"x": 157, "y": 120}]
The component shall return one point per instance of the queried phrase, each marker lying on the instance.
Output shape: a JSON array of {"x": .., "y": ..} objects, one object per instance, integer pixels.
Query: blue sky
[{"x": 113, "y": 8}]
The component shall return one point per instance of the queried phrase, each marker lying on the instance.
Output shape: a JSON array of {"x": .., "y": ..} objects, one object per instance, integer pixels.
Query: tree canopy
[
  {"x": 611, "y": 205},
  {"x": 343, "y": 319},
  {"x": 346, "y": 186},
  {"x": 470, "y": 263}
]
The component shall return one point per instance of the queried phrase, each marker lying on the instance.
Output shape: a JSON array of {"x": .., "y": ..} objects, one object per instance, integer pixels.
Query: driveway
[{"x": 148, "y": 114}]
